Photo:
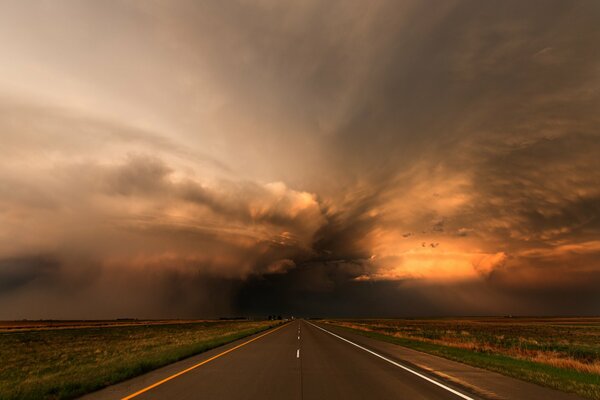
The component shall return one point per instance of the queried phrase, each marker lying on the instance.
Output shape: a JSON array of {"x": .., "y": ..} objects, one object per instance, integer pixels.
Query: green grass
[
  {"x": 564, "y": 379},
  {"x": 66, "y": 363}
]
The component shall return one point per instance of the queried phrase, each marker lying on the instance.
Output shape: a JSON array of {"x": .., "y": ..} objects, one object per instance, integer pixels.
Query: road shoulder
[
  {"x": 487, "y": 384},
  {"x": 133, "y": 385}
]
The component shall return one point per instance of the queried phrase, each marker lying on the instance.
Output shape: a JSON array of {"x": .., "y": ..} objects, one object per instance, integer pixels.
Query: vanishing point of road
[{"x": 298, "y": 360}]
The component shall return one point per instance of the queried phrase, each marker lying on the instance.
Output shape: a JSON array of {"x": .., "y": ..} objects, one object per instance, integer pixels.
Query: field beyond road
[
  {"x": 63, "y": 361},
  {"x": 561, "y": 353}
]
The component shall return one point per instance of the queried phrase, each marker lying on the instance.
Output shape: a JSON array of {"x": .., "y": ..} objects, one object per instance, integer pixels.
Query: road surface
[
  {"x": 297, "y": 361},
  {"x": 308, "y": 361}
]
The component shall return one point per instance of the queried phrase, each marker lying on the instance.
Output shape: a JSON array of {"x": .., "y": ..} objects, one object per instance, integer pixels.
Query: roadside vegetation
[
  {"x": 561, "y": 353},
  {"x": 63, "y": 362}
]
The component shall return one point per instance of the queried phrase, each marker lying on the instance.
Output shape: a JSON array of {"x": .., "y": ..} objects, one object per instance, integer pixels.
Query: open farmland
[
  {"x": 47, "y": 360},
  {"x": 562, "y": 353}
]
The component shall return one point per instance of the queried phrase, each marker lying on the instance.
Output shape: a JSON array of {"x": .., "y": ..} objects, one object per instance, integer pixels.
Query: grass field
[
  {"x": 562, "y": 353},
  {"x": 47, "y": 360}
]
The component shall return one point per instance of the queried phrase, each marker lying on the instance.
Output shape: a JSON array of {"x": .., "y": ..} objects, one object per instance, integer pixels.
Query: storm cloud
[{"x": 199, "y": 159}]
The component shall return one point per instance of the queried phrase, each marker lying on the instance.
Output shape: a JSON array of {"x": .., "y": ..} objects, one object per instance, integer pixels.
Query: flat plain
[
  {"x": 561, "y": 353},
  {"x": 62, "y": 360}
]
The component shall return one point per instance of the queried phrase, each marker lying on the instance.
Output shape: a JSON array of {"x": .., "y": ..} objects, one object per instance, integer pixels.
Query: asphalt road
[{"x": 300, "y": 361}]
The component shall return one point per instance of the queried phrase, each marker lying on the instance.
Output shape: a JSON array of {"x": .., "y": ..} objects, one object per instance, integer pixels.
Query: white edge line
[{"x": 459, "y": 394}]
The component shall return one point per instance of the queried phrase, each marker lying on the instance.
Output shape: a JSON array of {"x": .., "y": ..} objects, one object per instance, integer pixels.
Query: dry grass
[
  {"x": 7, "y": 326},
  {"x": 572, "y": 343},
  {"x": 62, "y": 363},
  {"x": 563, "y": 353}
]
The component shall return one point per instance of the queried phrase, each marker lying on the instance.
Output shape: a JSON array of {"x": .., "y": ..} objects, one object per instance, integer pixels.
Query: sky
[{"x": 189, "y": 159}]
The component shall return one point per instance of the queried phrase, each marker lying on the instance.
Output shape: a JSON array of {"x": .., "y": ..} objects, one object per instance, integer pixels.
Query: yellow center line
[{"x": 131, "y": 396}]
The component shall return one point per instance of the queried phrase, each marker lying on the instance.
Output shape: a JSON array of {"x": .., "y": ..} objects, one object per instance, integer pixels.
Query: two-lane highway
[{"x": 299, "y": 360}]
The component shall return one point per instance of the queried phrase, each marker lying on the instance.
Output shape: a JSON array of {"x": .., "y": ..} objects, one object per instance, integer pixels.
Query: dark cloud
[
  {"x": 21, "y": 271},
  {"x": 325, "y": 158},
  {"x": 321, "y": 292},
  {"x": 43, "y": 288}
]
